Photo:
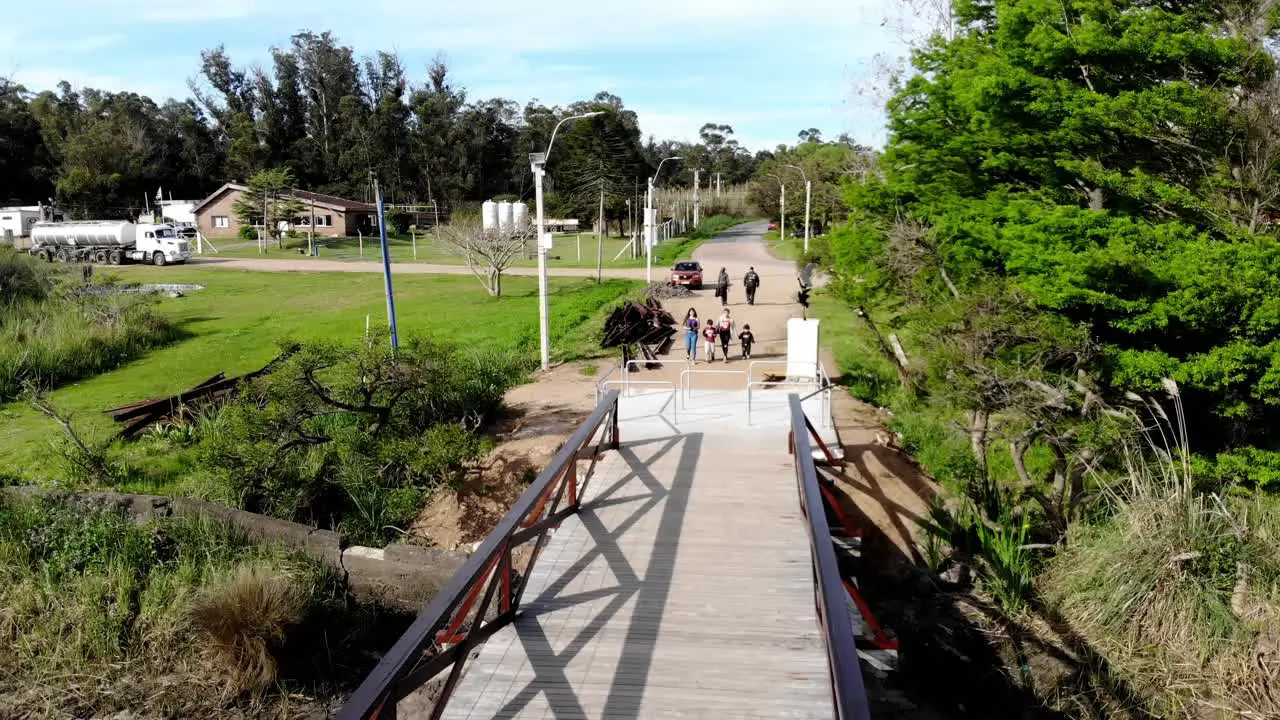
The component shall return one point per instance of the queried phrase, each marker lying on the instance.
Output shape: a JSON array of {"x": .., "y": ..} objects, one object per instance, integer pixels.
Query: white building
[
  {"x": 179, "y": 211},
  {"x": 16, "y": 222}
]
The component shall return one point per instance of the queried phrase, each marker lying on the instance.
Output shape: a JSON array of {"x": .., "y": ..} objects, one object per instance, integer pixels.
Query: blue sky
[{"x": 769, "y": 68}]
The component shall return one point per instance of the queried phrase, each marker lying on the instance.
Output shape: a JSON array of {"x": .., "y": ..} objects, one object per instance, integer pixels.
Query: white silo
[
  {"x": 489, "y": 214},
  {"x": 504, "y": 215},
  {"x": 520, "y": 214}
]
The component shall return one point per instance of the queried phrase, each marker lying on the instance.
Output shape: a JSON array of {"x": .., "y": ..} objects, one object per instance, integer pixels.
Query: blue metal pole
[{"x": 386, "y": 269}]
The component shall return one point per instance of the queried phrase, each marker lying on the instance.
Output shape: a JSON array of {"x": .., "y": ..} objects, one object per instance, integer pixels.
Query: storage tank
[
  {"x": 82, "y": 234},
  {"x": 520, "y": 214},
  {"x": 504, "y": 215},
  {"x": 489, "y": 214}
]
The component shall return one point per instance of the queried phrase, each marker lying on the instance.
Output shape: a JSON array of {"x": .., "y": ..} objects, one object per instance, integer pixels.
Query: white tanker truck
[{"x": 108, "y": 242}]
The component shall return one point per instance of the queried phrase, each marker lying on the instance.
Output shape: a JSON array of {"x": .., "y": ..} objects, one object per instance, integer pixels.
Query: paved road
[{"x": 262, "y": 264}]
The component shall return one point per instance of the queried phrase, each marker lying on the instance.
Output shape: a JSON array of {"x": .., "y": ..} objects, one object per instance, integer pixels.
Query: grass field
[
  {"x": 784, "y": 248},
  {"x": 572, "y": 250},
  {"x": 236, "y": 323}
]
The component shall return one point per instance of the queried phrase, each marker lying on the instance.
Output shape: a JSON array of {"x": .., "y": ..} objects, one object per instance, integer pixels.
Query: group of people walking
[
  {"x": 751, "y": 281},
  {"x": 719, "y": 331}
]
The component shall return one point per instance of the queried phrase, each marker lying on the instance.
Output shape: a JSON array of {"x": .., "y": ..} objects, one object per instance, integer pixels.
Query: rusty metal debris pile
[
  {"x": 212, "y": 392},
  {"x": 644, "y": 324}
]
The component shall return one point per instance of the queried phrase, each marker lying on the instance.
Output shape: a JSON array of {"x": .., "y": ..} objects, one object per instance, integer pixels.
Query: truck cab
[{"x": 160, "y": 245}]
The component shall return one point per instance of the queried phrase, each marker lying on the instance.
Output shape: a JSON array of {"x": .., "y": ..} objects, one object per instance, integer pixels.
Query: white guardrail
[{"x": 683, "y": 392}]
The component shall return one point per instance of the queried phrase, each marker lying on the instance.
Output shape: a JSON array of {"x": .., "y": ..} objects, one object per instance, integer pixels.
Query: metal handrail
[
  {"x": 437, "y": 640},
  {"x": 675, "y": 412},
  {"x": 848, "y": 693},
  {"x": 686, "y": 385}
]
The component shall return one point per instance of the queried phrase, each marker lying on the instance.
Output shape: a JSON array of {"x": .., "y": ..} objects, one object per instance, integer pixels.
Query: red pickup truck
[{"x": 688, "y": 273}]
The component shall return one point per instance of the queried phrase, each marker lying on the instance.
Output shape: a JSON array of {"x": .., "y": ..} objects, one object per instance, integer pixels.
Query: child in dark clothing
[{"x": 747, "y": 340}]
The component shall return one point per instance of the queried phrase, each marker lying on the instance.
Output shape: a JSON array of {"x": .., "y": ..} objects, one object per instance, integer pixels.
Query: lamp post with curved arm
[
  {"x": 650, "y": 219},
  {"x": 808, "y": 195},
  {"x": 782, "y": 203},
  {"x": 538, "y": 162}
]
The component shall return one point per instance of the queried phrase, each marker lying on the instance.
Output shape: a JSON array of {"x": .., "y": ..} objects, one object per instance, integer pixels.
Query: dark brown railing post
[
  {"x": 613, "y": 426},
  {"x": 572, "y": 481},
  {"x": 848, "y": 694},
  {"x": 504, "y": 567},
  {"x": 436, "y": 641}
]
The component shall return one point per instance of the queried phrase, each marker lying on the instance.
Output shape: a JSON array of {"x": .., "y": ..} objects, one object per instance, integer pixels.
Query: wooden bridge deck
[{"x": 683, "y": 589}]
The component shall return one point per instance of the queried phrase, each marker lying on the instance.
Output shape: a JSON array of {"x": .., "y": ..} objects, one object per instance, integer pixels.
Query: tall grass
[
  {"x": 1180, "y": 590},
  {"x": 172, "y": 618},
  {"x": 49, "y": 337}
]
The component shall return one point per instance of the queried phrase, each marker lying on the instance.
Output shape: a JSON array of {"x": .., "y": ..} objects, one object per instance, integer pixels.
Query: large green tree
[{"x": 1093, "y": 160}]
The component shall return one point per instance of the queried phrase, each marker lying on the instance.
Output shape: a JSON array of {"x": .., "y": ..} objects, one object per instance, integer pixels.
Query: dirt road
[
  {"x": 266, "y": 265},
  {"x": 736, "y": 250}
]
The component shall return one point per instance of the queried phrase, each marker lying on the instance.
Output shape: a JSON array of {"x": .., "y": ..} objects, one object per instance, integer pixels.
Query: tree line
[{"x": 334, "y": 121}]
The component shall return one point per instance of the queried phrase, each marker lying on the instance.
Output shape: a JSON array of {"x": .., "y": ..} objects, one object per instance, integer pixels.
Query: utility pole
[
  {"x": 650, "y": 222},
  {"x": 386, "y": 267},
  {"x": 600, "y": 238},
  {"x": 262, "y": 237},
  {"x": 538, "y": 163},
  {"x": 808, "y": 197},
  {"x": 697, "y": 188}
]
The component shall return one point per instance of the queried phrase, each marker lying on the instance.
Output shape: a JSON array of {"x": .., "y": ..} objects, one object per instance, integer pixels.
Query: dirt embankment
[{"x": 540, "y": 416}]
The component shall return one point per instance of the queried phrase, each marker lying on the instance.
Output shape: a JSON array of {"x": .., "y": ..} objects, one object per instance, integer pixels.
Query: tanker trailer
[{"x": 107, "y": 241}]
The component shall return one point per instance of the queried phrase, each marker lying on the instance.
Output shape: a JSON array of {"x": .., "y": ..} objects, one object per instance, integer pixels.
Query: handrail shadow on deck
[
  {"x": 650, "y": 589},
  {"x": 444, "y": 633}
]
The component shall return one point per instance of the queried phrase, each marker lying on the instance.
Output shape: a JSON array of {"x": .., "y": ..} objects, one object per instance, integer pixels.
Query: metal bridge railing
[
  {"x": 444, "y": 634},
  {"x": 848, "y": 694}
]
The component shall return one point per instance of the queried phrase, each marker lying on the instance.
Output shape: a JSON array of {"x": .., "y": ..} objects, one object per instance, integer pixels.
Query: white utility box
[{"x": 802, "y": 349}]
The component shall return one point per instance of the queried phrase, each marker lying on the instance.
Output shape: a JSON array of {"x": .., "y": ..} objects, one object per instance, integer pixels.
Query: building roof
[{"x": 318, "y": 199}]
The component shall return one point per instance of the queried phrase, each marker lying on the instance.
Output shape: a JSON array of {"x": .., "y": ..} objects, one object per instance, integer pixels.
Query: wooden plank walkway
[{"x": 682, "y": 590}]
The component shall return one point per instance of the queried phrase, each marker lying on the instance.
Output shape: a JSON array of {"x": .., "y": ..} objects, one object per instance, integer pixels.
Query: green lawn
[
  {"x": 572, "y": 250},
  {"x": 786, "y": 249},
  {"x": 237, "y": 322}
]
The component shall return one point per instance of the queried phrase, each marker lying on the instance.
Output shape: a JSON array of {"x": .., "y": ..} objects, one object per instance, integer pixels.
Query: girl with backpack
[
  {"x": 709, "y": 335},
  {"x": 724, "y": 328},
  {"x": 691, "y": 327}
]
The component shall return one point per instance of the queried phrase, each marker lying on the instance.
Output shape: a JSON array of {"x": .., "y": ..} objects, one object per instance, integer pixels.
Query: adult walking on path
[
  {"x": 722, "y": 287},
  {"x": 751, "y": 282},
  {"x": 691, "y": 335}
]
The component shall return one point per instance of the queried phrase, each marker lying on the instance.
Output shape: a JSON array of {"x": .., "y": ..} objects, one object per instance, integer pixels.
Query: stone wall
[{"x": 399, "y": 575}]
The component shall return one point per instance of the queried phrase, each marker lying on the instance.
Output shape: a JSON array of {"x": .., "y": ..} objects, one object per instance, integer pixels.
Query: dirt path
[{"x": 311, "y": 265}]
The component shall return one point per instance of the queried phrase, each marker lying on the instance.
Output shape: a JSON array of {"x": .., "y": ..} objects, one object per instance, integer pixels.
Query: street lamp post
[
  {"x": 782, "y": 204},
  {"x": 537, "y": 162},
  {"x": 649, "y": 219},
  {"x": 808, "y": 195}
]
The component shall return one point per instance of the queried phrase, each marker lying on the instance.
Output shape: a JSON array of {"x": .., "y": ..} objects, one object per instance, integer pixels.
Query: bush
[
  {"x": 22, "y": 277},
  {"x": 1181, "y": 593},
  {"x": 711, "y": 226},
  {"x": 248, "y": 232},
  {"x": 400, "y": 222},
  {"x": 170, "y": 618},
  {"x": 350, "y": 438}
]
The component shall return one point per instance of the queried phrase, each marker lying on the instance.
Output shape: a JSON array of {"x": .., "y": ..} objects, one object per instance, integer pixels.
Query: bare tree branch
[{"x": 487, "y": 252}]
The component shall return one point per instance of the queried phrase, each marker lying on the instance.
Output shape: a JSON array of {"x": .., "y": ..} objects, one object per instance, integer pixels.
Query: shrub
[
  {"x": 711, "y": 226},
  {"x": 400, "y": 222},
  {"x": 248, "y": 232},
  {"x": 1181, "y": 593},
  {"x": 169, "y": 618},
  {"x": 349, "y": 437},
  {"x": 22, "y": 277},
  {"x": 244, "y": 621}
]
